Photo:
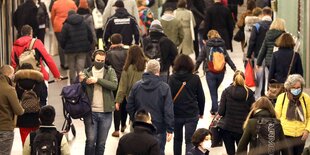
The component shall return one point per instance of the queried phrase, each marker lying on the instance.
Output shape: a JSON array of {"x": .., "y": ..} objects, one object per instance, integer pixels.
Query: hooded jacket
[
  {"x": 27, "y": 79},
  {"x": 168, "y": 49},
  {"x": 143, "y": 135},
  {"x": 250, "y": 135},
  {"x": 266, "y": 50},
  {"x": 116, "y": 57},
  {"x": 234, "y": 106},
  {"x": 23, "y": 42},
  {"x": 172, "y": 28},
  {"x": 204, "y": 55},
  {"x": 191, "y": 101},
  {"x": 153, "y": 95},
  {"x": 88, "y": 18},
  {"x": 9, "y": 105},
  {"x": 76, "y": 35},
  {"x": 123, "y": 23}
]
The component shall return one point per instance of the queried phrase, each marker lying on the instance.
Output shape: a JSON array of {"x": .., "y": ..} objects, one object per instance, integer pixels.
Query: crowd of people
[{"x": 145, "y": 70}]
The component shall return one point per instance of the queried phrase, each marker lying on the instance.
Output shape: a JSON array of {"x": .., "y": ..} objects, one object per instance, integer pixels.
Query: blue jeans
[
  {"x": 190, "y": 127},
  {"x": 214, "y": 81},
  {"x": 6, "y": 142},
  {"x": 97, "y": 126},
  {"x": 161, "y": 137}
]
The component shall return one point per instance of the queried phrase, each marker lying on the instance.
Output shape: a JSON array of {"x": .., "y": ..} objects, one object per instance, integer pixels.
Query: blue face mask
[{"x": 296, "y": 92}]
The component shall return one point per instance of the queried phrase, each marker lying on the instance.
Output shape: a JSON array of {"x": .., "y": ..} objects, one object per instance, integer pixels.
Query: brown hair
[
  {"x": 116, "y": 38},
  {"x": 182, "y": 4},
  {"x": 285, "y": 41},
  {"x": 257, "y": 11},
  {"x": 267, "y": 11},
  {"x": 183, "y": 62},
  {"x": 135, "y": 57},
  {"x": 199, "y": 136},
  {"x": 213, "y": 34},
  {"x": 26, "y": 30},
  {"x": 250, "y": 5},
  {"x": 260, "y": 104}
]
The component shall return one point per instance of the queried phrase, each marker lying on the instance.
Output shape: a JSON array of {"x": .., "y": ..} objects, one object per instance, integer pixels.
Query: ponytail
[{"x": 240, "y": 81}]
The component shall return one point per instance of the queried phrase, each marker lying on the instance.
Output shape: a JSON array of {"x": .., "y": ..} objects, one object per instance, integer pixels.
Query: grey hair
[
  {"x": 153, "y": 66},
  {"x": 292, "y": 80}
]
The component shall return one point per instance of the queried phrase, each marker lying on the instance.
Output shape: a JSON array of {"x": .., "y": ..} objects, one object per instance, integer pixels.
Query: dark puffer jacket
[
  {"x": 116, "y": 57},
  {"x": 191, "y": 101},
  {"x": 266, "y": 50},
  {"x": 234, "y": 106},
  {"x": 76, "y": 35}
]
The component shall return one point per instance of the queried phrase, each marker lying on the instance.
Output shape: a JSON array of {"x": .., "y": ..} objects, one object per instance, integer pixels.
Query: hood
[
  {"x": 265, "y": 24},
  {"x": 142, "y": 126},
  {"x": 262, "y": 113},
  {"x": 215, "y": 42},
  {"x": 182, "y": 75},
  {"x": 167, "y": 17},
  {"x": 28, "y": 74},
  {"x": 22, "y": 41},
  {"x": 273, "y": 34},
  {"x": 150, "y": 81},
  {"x": 121, "y": 13},
  {"x": 251, "y": 20},
  {"x": 83, "y": 11},
  {"x": 238, "y": 93},
  {"x": 74, "y": 19}
]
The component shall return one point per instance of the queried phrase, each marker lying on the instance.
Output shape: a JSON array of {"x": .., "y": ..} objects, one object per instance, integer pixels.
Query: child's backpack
[
  {"x": 152, "y": 49},
  {"x": 75, "y": 101},
  {"x": 216, "y": 60},
  {"x": 29, "y": 56},
  {"x": 30, "y": 101},
  {"x": 45, "y": 142},
  {"x": 268, "y": 135}
]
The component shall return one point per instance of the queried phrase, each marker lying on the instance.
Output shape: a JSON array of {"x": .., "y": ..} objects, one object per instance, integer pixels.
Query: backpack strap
[
  {"x": 59, "y": 137},
  {"x": 303, "y": 98},
  {"x": 33, "y": 40},
  {"x": 32, "y": 135}
]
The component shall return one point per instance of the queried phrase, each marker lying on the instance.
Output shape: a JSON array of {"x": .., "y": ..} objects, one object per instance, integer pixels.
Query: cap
[
  {"x": 119, "y": 4},
  {"x": 156, "y": 26}
]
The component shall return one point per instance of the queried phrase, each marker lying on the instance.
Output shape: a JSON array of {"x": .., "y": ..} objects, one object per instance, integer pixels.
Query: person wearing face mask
[
  {"x": 201, "y": 141},
  {"x": 100, "y": 81},
  {"x": 9, "y": 106},
  {"x": 293, "y": 110}
]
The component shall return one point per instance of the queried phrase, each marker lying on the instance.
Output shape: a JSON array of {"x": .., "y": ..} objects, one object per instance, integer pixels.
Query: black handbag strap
[{"x": 291, "y": 64}]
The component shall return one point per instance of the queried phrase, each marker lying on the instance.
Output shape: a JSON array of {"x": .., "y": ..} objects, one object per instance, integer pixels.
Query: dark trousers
[
  {"x": 196, "y": 43},
  {"x": 295, "y": 145},
  {"x": 230, "y": 139},
  {"x": 190, "y": 125},
  {"x": 43, "y": 93},
  {"x": 62, "y": 57},
  {"x": 214, "y": 81},
  {"x": 120, "y": 116},
  {"x": 41, "y": 34}
]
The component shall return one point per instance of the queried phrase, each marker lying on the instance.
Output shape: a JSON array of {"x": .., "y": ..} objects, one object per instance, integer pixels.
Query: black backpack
[
  {"x": 152, "y": 49},
  {"x": 45, "y": 142},
  {"x": 268, "y": 133}
]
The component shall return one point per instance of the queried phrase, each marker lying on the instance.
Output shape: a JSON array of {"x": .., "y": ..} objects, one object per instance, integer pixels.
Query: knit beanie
[{"x": 156, "y": 26}]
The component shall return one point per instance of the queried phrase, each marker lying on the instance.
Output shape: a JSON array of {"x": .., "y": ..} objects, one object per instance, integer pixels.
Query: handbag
[
  {"x": 239, "y": 36},
  {"x": 249, "y": 75},
  {"x": 179, "y": 91},
  {"x": 275, "y": 88},
  {"x": 216, "y": 138},
  {"x": 97, "y": 16}
]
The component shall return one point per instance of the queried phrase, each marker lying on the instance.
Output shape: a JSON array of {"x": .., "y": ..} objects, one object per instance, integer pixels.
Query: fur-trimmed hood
[{"x": 28, "y": 74}]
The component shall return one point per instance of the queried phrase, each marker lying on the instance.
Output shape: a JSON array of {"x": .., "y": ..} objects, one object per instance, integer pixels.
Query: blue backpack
[{"x": 75, "y": 101}]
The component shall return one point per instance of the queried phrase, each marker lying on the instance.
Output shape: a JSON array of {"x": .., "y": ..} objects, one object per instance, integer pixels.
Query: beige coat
[{"x": 188, "y": 22}]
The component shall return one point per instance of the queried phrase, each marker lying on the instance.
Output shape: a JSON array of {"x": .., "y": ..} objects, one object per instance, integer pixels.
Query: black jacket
[
  {"x": 123, "y": 23},
  {"x": 234, "y": 106},
  {"x": 27, "y": 79},
  {"x": 142, "y": 141},
  {"x": 204, "y": 55},
  {"x": 76, "y": 35},
  {"x": 154, "y": 95},
  {"x": 42, "y": 16},
  {"x": 196, "y": 151},
  {"x": 167, "y": 48},
  {"x": 197, "y": 7},
  {"x": 257, "y": 37},
  {"x": 191, "y": 101},
  {"x": 280, "y": 64},
  {"x": 26, "y": 13},
  {"x": 116, "y": 57},
  {"x": 219, "y": 18}
]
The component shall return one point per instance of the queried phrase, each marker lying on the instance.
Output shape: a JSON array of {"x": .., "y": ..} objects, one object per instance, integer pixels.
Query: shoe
[
  {"x": 64, "y": 67},
  {"x": 115, "y": 134},
  {"x": 123, "y": 128},
  {"x": 213, "y": 113}
]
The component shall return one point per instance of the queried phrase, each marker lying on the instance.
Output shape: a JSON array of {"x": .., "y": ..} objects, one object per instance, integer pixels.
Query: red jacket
[{"x": 23, "y": 42}]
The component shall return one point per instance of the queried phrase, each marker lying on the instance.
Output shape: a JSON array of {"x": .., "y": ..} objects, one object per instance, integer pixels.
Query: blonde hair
[
  {"x": 240, "y": 81},
  {"x": 153, "y": 66},
  {"x": 278, "y": 24},
  {"x": 262, "y": 103},
  {"x": 213, "y": 34}
]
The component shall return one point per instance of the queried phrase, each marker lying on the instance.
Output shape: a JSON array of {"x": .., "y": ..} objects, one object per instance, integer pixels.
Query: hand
[
  {"x": 58, "y": 79},
  {"x": 200, "y": 116},
  {"x": 168, "y": 137},
  {"x": 204, "y": 42},
  {"x": 117, "y": 106},
  {"x": 91, "y": 80},
  {"x": 257, "y": 67},
  {"x": 81, "y": 76},
  {"x": 305, "y": 135}
]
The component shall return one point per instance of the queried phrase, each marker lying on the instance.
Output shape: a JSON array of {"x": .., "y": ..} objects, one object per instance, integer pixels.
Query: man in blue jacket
[{"x": 153, "y": 95}]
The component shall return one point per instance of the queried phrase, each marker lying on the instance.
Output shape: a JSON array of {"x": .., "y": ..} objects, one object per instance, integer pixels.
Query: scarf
[{"x": 294, "y": 109}]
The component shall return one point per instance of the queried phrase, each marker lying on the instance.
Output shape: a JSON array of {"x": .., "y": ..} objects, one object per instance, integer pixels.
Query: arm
[
  {"x": 201, "y": 57},
  {"x": 154, "y": 149},
  {"x": 252, "y": 42},
  {"x": 230, "y": 25},
  {"x": 262, "y": 54},
  {"x": 229, "y": 61},
  {"x": 222, "y": 106},
  {"x": 64, "y": 36},
  {"x": 90, "y": 33},
  {"x": 272, "y": 68},
  {"x": 200, "y": 97},
  {"x": 245, "y": 139},
  {"x": 107, "y": 33},
  {"x": 13, "y": 58},
  {"x": 107, "y": 12},
  {"x": 278, "y": 107},
  {"x": 65, "y": 149},
  {"x": 168, "y": 111},
  {"x": 136, "y": 31},
  {"x": 122, "y": 87},
  {"x": 181, "y": 32},
  {"x": 53, "y": 12},
  {"x": 131, "y": 106},
  {"x": 111, "y": 83},
  {"x": 13, "y": 100},
  {"x": 298, "y": 65},
  {"x": 307, "y": 99}
]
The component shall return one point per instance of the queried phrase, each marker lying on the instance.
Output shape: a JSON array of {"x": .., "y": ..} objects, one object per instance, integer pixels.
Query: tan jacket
[{"x": 9, "y": 105}]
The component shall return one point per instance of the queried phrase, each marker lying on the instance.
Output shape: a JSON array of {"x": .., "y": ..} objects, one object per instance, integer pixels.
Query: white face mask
[{"x": 206, "y": 144}]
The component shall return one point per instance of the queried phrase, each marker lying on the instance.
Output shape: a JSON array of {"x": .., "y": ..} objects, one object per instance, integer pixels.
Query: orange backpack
[{"x": 216, "y": 61}]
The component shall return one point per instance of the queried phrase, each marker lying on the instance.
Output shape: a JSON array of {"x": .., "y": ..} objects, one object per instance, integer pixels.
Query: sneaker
[
  {"x": 115, "y": 134},
  {"x": 123, "y": 128}
]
